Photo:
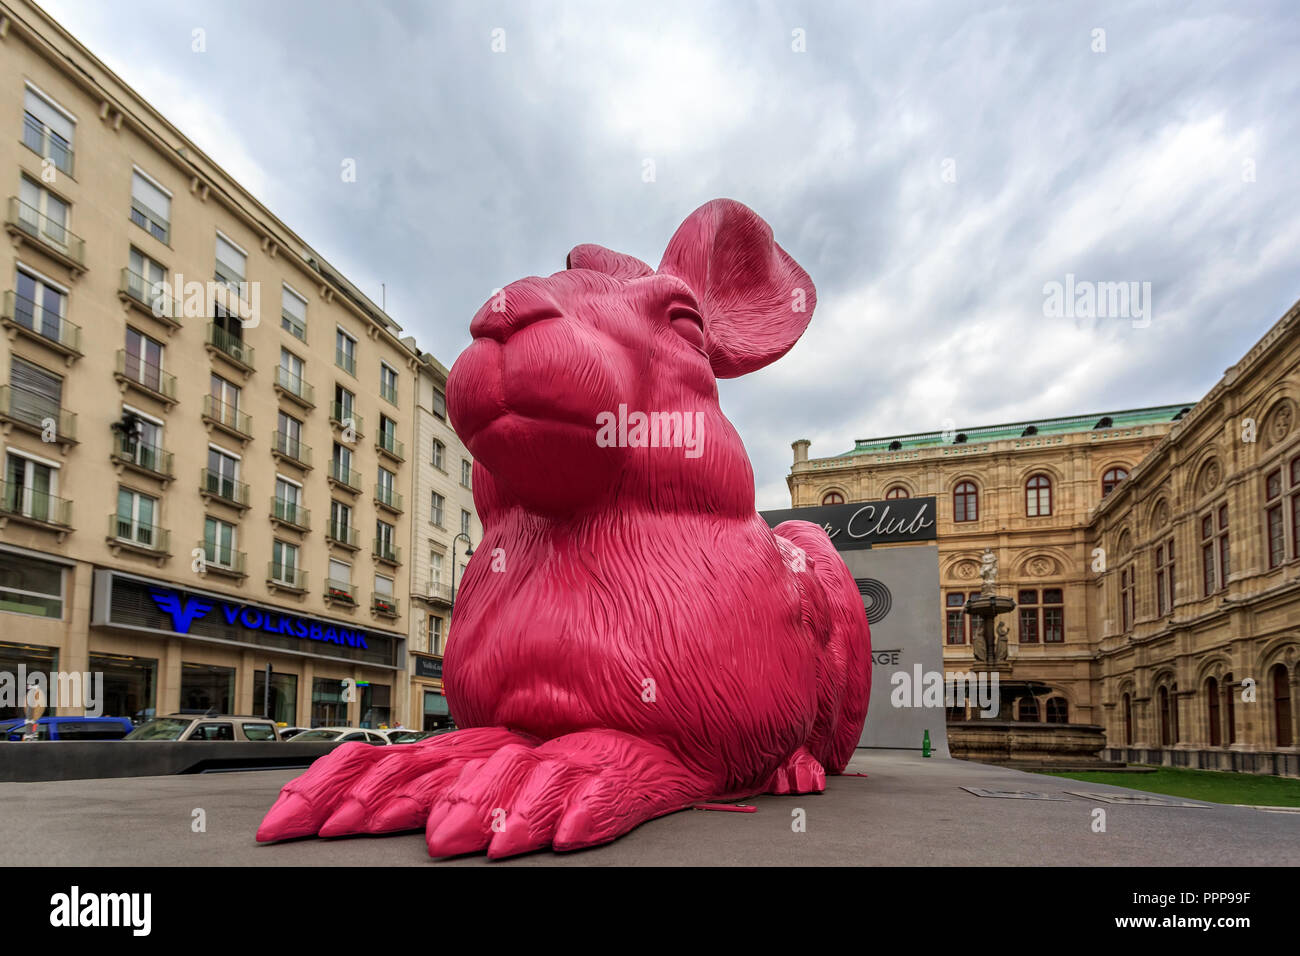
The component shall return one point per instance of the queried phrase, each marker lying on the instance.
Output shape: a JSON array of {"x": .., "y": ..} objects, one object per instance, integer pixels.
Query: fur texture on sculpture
[{"x": 630, "y": 637}]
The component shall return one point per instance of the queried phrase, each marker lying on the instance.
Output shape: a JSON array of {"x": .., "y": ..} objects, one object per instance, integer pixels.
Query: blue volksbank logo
[{"x": 185, "y": 612}]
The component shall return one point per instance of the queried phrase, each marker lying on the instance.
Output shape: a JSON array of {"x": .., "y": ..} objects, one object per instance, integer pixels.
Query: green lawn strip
[{"x": 1210, "y": 786}]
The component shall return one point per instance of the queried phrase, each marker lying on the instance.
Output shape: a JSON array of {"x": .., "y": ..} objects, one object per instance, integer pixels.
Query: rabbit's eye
[{"x": 688, "y": 325}]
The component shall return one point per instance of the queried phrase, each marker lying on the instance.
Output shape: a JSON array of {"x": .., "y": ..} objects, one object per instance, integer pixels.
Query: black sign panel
[
  {"x": 428, "y": 667},
  {"x": 860, "y": 524}
]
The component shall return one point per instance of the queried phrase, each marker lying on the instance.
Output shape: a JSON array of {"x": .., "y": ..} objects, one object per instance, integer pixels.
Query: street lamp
[{"x": 469, "y": 549}]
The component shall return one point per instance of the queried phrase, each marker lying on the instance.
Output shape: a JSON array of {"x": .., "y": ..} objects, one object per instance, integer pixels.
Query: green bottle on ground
[{"x": 925, "y": 744}]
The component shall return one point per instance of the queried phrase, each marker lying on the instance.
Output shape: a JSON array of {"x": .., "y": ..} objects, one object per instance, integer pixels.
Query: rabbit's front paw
[
  {"x": 574, "y": 791},
  {"x": 800, "y": 773}
]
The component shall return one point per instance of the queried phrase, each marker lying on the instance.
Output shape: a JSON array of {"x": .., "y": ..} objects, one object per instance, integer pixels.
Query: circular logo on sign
[{"x": 875, "y": 598}]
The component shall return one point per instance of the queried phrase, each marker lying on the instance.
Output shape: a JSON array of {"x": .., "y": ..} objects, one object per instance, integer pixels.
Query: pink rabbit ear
[
  {"x": 611, "y": 263},
  {"x": 756, "y": 299}
]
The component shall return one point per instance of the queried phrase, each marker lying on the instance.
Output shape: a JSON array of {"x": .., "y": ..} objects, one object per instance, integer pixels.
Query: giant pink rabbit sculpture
[{"x": 630, "y": 638}]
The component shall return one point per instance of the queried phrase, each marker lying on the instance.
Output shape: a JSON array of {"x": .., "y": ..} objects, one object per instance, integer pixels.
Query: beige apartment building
[
  {"x": 444, "y": 529},
  {"x": 204, "y": 425}
]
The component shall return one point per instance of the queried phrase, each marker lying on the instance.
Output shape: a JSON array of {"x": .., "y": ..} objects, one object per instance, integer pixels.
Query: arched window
[
  {"x": 1166, "y": 728},
  {"x": 832, "y": 498},
  {"x": 1128, "y": 720},
  {"x": 1058, "y": 710},
  {"x": 439, "y": 452},
  {"x": 1230, "y": 706},
  {"x": 1038, "y": 496},
  {"x": 1111, "y": 479},
  {"x": 1212, "y": 699},
  {"x": 1028, "y": 709},
  {"x": 898, "y": 491},
  {"x": 965, "y": 503},
  {"x": 1282, "y": 705}
]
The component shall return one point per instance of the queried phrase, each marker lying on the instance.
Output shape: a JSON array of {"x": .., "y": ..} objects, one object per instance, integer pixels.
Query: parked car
[
  {"x": 415, "y": 736},
  {"x": 344, "y": 735},
  {"x": 68, "y": 728},
  {"x": 288, "y": 732},
  {"x": 205, "y": 727}
]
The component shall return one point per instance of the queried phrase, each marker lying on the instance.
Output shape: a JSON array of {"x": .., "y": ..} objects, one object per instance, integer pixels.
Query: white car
[{"x": 343, "y": 735}]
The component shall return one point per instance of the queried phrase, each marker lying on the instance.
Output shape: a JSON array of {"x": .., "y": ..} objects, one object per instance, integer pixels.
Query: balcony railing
[
  {"x": 149, "y": 377},
  {"x": 386, "y": 605},
  {"x": 37, "y": 413},
  {"x": 219, "y": 486},
  {"x": 223, "y": 560},
  {"x": 387, "y": 552},
  {"x": 341, "y": 416},
  {"x": 342, "y": 534},
  {"x": 389, "y": 498},
  {"x": 152, "y": 296},
  {"x": 21, "y": 501},
  {"x": 345, "y": 361},
  {"x": 437, "y": 591},
  {"x": 150, "y": 220},
  {"x": 294, "y": 387},
  {"x": 148, "y": 536},
  {"x": 387, "y": 442},
  {"x": 136, "y": 454},
  {"x": 227, "y": 416},
  {"x": 286, "y": 576},
  {"x": 289, "y": 447},
  {"x": 343, "y": 591},
  {"x": 48, "y": 326},
  {"x": 290, "y": 513},
  {"x": 46, "y": 143},
  {"x": 345, "y": 476},
  {"x": 54, "y": 236},
  {"x": 231, "y": 346}
]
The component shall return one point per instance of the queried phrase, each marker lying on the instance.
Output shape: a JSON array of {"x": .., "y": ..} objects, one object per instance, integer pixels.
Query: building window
[
  {"x": 30, "y": 586},
  {"x": 284, "y": 563},
  {"x": 345, "y": 352},
  {"x": 48, "y": 130},
  {"x": 1212, "y": 700},
  {"x": 222, "y": 478},
  {"x": 387, "y": 382},
  {"x": 31, "y": 489},
  {"x": 465, "y": 472},
  {"x": 1053, "y": 616},
  {"x": 339, "y": 582},
  {"x": 231, "y": 263},
  {"x": 143, "y": 363},
  {"x": 344, "y": 407},
  {"x": 1127, "y": 598},
  {"x": 282, "y": 699},
  {"x": 385, "y": 534},
  {"x": 43, "y": 212},
  {"x": 328, "y": 707},
  {"x": 1274, "y": 519},
  {"x": 1038, "y": 496},
  {"x": 435, "y": 634},
  {"x": 1058, "y": 710},
  {"x": 204, "y": 687},
  {"x": 293, "y": 313},
  {"x": 1028, "y": 710},
  {"x": 340, "y": 520},
  {"x": 440, "y": 404},
  {"x": 832, "y": 498},
  {"x": 438, "y": 503},
  {"x": 1214, "y": 551},
  {"x": 1028, "y": 605},
  {"x": 1128, "y": 720},
  {"x": 464, "y": 522},
  {"x": 1164, "y": 561},
  {"x": 1282, "y": 705},
  {"x": 151, "y": 206},
  {"x": 39, "y": 305},
  {"x": 955, "y": 618},
  {"x": 147, "y": 281},
  {"x": 1295, "y": 507},
  {"x": 435, "y": 569},
  {"x": 219, "y": 543},
  {"x": 36, "y": 395},
  {"x": 225, "y": 397},
  {"x": 1166, "y": 725},
  {"x": 1112, "y": 478},
  {"x": 439, "y": 452},
  {"x": 1230, "y": 708},
  {"x": 135, "y": 517},
  {"x": 898, "y": 491},
  {"x": 965, "y": 502}
]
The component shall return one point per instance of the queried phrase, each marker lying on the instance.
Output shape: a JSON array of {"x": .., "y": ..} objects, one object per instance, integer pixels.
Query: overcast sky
[{"x": 932, "y": 165}]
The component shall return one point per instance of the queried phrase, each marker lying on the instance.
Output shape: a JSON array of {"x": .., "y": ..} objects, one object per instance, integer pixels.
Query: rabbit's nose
[{"x": 513, "y": 308}]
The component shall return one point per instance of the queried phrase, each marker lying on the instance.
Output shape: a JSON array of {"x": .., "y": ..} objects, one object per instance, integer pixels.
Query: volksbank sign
[{"x": 185, "y": 611}]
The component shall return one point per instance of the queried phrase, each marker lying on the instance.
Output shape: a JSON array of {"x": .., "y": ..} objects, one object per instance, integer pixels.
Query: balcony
[
  {"x": 388, "y": 444},
  {"x": 385, "y": 605},
  {"x": 340, "y": 592},
  {"x": 284, "y": 577},
  {"x": 294, "y": 388},
  {"x": 22, "y": 316},
  {"x": 149, "y": 298},
  {"x": 223, "y": 561},
  {"x": 343, "y": 536},
  {"x": 47, "y": 144},
  {"x": 438, "y": 593},
  {"x": 222, "y": 344},
  {"x": 388, "y": 499},
  {"x": 39, "y": 509},
  {"x": 34, "y": 413},
  {"x": 228, "y": 418},
  {"x": 340, "y": 417},
  {"x": 386, "y": 552},
  {"x": 27, "y": 224},
  {"x": 147, "y": 540},
  {"x": 215, "y": 487},
  {"x": 133, "y": 372},
  {"x": 344, "y": 479},
  {"x": 143, "y": 459},
  {"x": 345, "y": 361},
  {"x": 289, "y": 449},
  {"x": 290, "y": 514}
]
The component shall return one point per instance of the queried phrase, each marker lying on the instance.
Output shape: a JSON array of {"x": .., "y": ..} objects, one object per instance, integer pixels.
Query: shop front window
[
  {"x": 35, "y": 659},
  {"x": 283, "y": 699},
  {"x": 436, "y": 713},
  {"x": 130, "y": 686},
  {"x": 205, "y": 687},
  {"x": 328, "y": 706},
  {"x": 375, "y": 705}
]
